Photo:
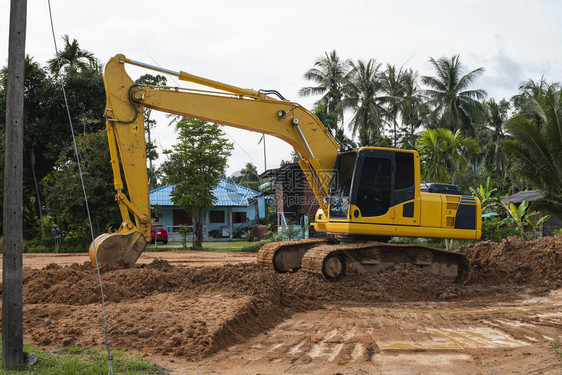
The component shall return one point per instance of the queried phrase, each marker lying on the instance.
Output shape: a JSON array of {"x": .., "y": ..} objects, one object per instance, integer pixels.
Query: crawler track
[
  {"x": 285, "y": 256},
  {"x": 336, "y": 261}
]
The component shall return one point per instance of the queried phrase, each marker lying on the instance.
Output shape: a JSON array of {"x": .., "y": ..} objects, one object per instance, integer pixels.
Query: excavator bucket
[{"x": 117, "y": 249}]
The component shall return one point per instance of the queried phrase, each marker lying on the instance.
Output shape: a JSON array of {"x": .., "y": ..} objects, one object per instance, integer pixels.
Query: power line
[{"x": 109, "y": 356}]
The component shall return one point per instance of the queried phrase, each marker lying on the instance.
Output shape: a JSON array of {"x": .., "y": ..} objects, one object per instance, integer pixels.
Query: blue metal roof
[{"x": 227, "y": 194}]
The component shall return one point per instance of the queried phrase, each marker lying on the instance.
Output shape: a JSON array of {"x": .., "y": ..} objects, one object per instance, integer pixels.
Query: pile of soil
[
  {"x": 194, "y": 312},
  {"x": 536, "y": 263}
]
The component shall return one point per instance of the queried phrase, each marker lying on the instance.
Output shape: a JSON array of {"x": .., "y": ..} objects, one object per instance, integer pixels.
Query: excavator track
[
  {"x": 285, "y": 256},
  {"x": 336, "y": 261}
]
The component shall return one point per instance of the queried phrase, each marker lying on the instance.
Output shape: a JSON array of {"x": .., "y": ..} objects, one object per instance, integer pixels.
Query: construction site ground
[{"x": 218, "y": 313}]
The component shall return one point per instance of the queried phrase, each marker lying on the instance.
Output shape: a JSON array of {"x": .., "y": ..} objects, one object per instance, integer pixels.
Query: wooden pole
[{"x": 12, "y": 301}]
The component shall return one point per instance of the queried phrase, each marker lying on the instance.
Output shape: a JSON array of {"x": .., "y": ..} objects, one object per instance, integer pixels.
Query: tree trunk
[
  {"x": 39, "y": 206},
  {"x": 198, "y": 229}
]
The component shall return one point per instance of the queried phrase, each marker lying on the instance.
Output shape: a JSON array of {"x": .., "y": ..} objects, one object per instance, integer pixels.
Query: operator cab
[{"x": 373, "y": 179}]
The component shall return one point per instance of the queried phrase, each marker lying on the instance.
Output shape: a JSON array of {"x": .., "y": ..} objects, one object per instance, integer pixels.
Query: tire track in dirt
[{"x": 400, "y": 338}]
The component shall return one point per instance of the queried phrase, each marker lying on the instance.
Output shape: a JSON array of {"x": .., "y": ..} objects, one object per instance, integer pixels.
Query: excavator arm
[{"x": 231, "y": 106}]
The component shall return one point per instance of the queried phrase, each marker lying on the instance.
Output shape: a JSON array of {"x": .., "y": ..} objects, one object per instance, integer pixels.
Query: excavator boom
[{"x": 232, "y": 106}]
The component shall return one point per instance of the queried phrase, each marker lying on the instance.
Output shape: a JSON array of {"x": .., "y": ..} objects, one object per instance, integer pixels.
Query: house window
[
  {"x": 217, "y": 216},
  {"x": 181, "y": 218},
  {"x": 238, "y": 217}
]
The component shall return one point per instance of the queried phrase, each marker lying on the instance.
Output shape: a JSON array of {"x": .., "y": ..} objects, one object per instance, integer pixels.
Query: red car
[{"x": 158, "y": 233}]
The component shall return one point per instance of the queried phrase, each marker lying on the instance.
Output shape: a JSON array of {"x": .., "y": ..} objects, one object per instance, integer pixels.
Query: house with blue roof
[{"x": 235, "y": 206}]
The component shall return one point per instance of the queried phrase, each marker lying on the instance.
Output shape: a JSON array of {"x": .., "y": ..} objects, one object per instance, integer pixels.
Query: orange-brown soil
[{"x": 236, "y": 318}]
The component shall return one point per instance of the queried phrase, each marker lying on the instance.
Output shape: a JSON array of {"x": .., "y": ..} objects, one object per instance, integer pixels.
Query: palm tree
[
  {"x": 393, "y": 87},
  {"x": 369, "y": 137},
  {"x": 330, "y": 121},
  {"x": 362, "y": 95},
  {"x": 492, "y": 134},
  {"x": 535, "y": 148},
  {"x": 413, "y": 110},
  {"x": 442, "y": 154},
  {"x": 72, "y": 58},
  {"x": 531, "y": 93},
  {"x": 453, "y": 105},
  {"x": 330, "y": 74}
]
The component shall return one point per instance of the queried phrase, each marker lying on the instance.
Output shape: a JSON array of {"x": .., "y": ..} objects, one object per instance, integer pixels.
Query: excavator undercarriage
[{"x": 334, "y": 261}]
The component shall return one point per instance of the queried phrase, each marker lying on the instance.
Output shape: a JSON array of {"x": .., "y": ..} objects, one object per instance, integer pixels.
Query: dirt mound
[
  {"x": 78, "y": 284},
  {"x": 533, "y": 263}
]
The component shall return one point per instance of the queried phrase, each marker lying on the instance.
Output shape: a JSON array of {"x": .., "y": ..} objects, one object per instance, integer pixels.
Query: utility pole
[
  {"x": 264, "y": 155},
  {"x": 12, "y": 279}
]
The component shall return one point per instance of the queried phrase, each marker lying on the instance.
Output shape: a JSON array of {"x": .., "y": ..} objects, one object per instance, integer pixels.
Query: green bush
[
  {"x": 71, "y": 243},
  {"x": 496, "y": 229}
]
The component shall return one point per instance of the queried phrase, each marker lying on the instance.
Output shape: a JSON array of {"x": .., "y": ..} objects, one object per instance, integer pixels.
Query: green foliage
[
  {"x": 363, "y": 93},
  {"x": 491, "y": 135},
  {"x": 46, "y": 125},
  {"x": 454, "y": 106},
  {"x": 496, "y": 229},
  {"x": 194, "y": 166},
  {"x": 369, "y": 137},
  {"x": 71, "y": 242},
  {"x": 288, "y": 233},
  {"x": 185, "y": 231},
  {"x": 330, "y": 73},
  {"x": 149, "y": 124},
  {"x": 294, "y": 159},
  {"x": 46, "y": 224},
  {"x": 248, "y": 177},
  {"x": 330, "y": 121},
  {"x": 557, "y": 231},
  {"x": 81, "y": 361},
  {"x": 467, "y": 180},
  {"x": 442, "y": 154},
  {"x": 535, "y": 148},
  {"x": 490, "y": 203},
  {"x": 522, "y": 217},
  {"x": 63, "y": 189},
  {"x": 72, "y": 58}
]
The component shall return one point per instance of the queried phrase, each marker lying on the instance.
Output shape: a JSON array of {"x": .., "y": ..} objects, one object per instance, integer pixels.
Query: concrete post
[{"x": 12, "y": 279}]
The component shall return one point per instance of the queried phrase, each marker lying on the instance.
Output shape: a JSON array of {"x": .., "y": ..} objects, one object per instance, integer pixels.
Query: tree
[
  {"x": 63, "y": 189},
  {"x": 362, "y": 95},
  {"x": 413, "y": 110},
  {"x": 330, "y": 121},
  {"x": 492, "y": 134},
  {"x": 46, "y": 125},
  {"x": 72, "y": 58},
  {"x": 151, "y": 153},
  {"x": 535, "y": 147},
  {"x": 248, "y": 177},
  {"x": 369, "y": 137},
  {"x": 442, "y": 154},
  {"x": 331, "y": 74},
  {"x": 194, "y": 166},
  {"x": 454, "y": 106},
  {"x": 393, "y": 87}
]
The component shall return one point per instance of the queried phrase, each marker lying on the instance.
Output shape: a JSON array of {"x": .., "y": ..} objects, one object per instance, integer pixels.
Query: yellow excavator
[{"x": 366, "y": 196}]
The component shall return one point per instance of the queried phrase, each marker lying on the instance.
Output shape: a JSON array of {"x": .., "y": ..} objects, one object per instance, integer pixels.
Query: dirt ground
[
  {"x": 176, "y": 258},
  {"x": 218, "y": 313}
]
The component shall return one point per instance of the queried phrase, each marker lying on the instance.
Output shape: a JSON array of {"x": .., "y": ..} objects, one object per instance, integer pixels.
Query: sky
[{"x": 270, "y": 45}]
